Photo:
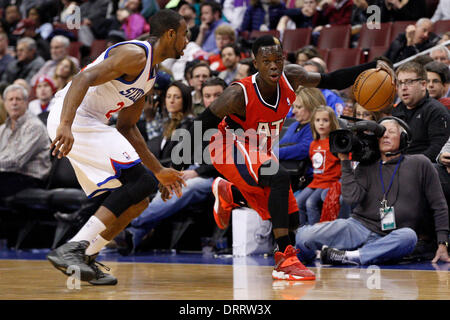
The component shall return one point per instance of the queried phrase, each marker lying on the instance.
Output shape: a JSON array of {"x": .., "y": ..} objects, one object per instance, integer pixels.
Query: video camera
[{"x": 359, "y": 138}]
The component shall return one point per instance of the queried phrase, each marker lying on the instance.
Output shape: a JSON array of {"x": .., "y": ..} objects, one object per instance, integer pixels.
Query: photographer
[{"x": 394, "y": 197}]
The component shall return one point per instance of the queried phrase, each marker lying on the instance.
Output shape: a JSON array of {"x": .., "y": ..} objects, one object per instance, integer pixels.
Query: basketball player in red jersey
[{"x": 258, "y": 105}]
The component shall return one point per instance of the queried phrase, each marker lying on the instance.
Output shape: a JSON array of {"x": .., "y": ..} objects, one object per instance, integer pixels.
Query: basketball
[{"x": 374, "y": 90}]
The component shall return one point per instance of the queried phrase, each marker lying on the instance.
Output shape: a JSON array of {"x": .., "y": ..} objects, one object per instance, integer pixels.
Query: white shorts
[{"x": 98, "y": 154}]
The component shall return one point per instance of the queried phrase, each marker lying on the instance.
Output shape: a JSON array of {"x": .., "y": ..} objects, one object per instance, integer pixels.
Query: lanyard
[{"x": 392, "y": 177}]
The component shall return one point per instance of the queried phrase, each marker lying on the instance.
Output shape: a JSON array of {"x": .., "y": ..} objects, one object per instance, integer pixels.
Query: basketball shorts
[
  {"x": 98, "y": 154},
  {"x": 239, "y": 161}
]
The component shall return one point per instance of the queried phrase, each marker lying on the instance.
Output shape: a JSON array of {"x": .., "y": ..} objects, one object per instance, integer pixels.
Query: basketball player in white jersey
[{"x": 107, "y": 159}]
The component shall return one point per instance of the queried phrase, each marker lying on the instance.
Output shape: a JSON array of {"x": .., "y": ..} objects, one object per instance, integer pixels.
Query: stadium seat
[
  {"x": 37, "y": 205},
  {"x": 256, "y": 33},
  {"x": 399, "y": 27},
  {"x": 441, "y": 26},
  {"x": 324, "y": 54},
  {"x": 337, "y": 36},
  {"x": 376, "y": 52},
  {"x": 375, "y": 37},
  {"x": 97, "y": 47},
  {"x": 296, "y": 39},
  {"x": 343, "y": 57},
  {"x": 74, "y": 49}
]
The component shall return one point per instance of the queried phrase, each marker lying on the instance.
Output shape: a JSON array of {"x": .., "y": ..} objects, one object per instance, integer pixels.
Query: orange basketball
[{"x": 374, "y": 90}]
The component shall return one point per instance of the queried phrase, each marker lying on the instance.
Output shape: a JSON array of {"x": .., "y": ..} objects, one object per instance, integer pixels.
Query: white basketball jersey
[{"x": 103, "y": 100}]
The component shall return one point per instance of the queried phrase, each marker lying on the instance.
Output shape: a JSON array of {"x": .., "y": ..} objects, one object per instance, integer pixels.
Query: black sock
[
  {"x": 283, "y": 242},
  {"x": 238, "y": 198}
]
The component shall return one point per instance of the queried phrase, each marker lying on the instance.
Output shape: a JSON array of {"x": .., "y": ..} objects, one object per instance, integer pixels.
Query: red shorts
[{"x": 238, "y": 160}]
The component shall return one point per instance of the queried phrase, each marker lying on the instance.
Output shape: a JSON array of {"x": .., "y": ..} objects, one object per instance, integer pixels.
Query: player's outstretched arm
[
  {"x": 123, "y": 60},
  {"x": 339, "y": 79},
  {"x": 126, "y": 125}
]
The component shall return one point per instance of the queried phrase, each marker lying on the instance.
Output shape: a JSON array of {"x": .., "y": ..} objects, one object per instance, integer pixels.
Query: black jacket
[
  {"x": 430, "y": 126},
  {"x": 398, "y": 50}
]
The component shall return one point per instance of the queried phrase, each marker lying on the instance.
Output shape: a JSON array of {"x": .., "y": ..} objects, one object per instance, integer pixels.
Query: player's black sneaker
[
  {"x": 101, "y": 278},
  {"x": 71, "y": 258}
]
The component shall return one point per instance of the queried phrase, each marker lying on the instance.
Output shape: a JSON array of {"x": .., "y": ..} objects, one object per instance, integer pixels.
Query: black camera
[{"x": 360, "y": 138}]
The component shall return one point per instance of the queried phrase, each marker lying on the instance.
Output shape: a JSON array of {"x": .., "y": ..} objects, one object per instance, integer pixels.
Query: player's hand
[
  {"x": 165, "y": 193},
  {"x": 441, "y": 254},
  {"x": 63, "y": 141},
  {"x": 172, "y": 180},
  {"x": 382, "y": 65}
]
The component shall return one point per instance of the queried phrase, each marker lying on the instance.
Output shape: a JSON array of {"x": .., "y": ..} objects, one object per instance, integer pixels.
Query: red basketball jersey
[{"x": 260, "y": 115}]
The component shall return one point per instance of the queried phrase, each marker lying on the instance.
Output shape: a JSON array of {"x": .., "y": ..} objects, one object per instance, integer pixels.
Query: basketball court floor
[{"x": 27, "y": 275}]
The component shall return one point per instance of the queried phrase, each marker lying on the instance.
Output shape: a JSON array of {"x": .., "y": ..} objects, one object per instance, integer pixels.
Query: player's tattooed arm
[
  {"x": 231, "y": 101},
  {"x": 298, "y": 76}
]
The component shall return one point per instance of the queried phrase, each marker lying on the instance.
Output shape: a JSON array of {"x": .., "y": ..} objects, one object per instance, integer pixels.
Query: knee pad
[
  {"x": 280, "y": 178},
  {"x": 137, "y": 184}
]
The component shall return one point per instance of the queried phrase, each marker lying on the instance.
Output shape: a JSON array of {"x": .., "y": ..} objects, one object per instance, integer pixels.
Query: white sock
[
  {"x": 353, "y": 256},
  {"x": 96, "y": 245},
  {"x": 90, "y": 230}
]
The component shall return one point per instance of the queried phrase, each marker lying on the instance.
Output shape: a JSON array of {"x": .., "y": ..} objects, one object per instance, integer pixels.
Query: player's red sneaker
[
  {"x": 223, "y": 204},
  {"x": 288, "y": 267}
]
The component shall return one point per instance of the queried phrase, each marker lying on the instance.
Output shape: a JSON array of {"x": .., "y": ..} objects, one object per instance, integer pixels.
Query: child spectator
[{"x": 326, "y": 166}]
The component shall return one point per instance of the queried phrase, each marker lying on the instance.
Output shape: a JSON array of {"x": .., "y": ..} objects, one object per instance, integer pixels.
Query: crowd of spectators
[{"x": 44, "y": 43}]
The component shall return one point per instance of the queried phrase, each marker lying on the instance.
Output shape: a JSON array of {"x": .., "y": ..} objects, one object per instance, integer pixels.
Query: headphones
[{"x": 405, "y": 137}]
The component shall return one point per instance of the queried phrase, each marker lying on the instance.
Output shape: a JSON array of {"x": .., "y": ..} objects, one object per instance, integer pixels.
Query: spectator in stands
[
  {"x": 198, "y": 179},
  {"x": 93, "y": 14},
  {"x": 211, "y": 18},
  {"x": 12, "y": 18},
  {"x": 231, "y": 56},
  {"x": 333, "y": 99},
  {"x": 246, "y": 68},
  {"x": 364, "y": 114},
  {"x": 133, "y": 23},
  {"x": 199, "y": 73},
  {"x": 234, "y": 11},
  {"x": 295, "y": 143},
  {"x": 68, "y": 10},
  {"x": 335, "y": 12},
  {"x": 259, "y": 12},
  {"x": 24, "y": 145},
  {"x": 441, "y": 54},
  {"x": 307, "y": 16},
  {"x": 44, "y": 89},
  {"x": 59, "y": 49},
  {"x": 65, "y": 70},
  {"x": 428, "y": 119},
  {"x": 212, "y": 89},
  {"x": 5, "y": 57},
  {"x": 438, "y": 82},
  {"x": 3, "y": 113},
  {"x": 443, "y": 168},
  {"x": 27, "y": 28},
  {"x": 187, "y": 11},
  {"x": 363, "y": 238},
  {"x": 225, "y": 35},
  {"x": 415, "y": 39},
  {"x": 401, "y": 10},
  {"x": 304, "y": 54},
  {"x": 43, "y": 27},
  {"x": 24, "y": 84},
  {"x": 326, "y": 167},
  {"x": 28, "y": 62},
  {"x": 442, "y": 11}
]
